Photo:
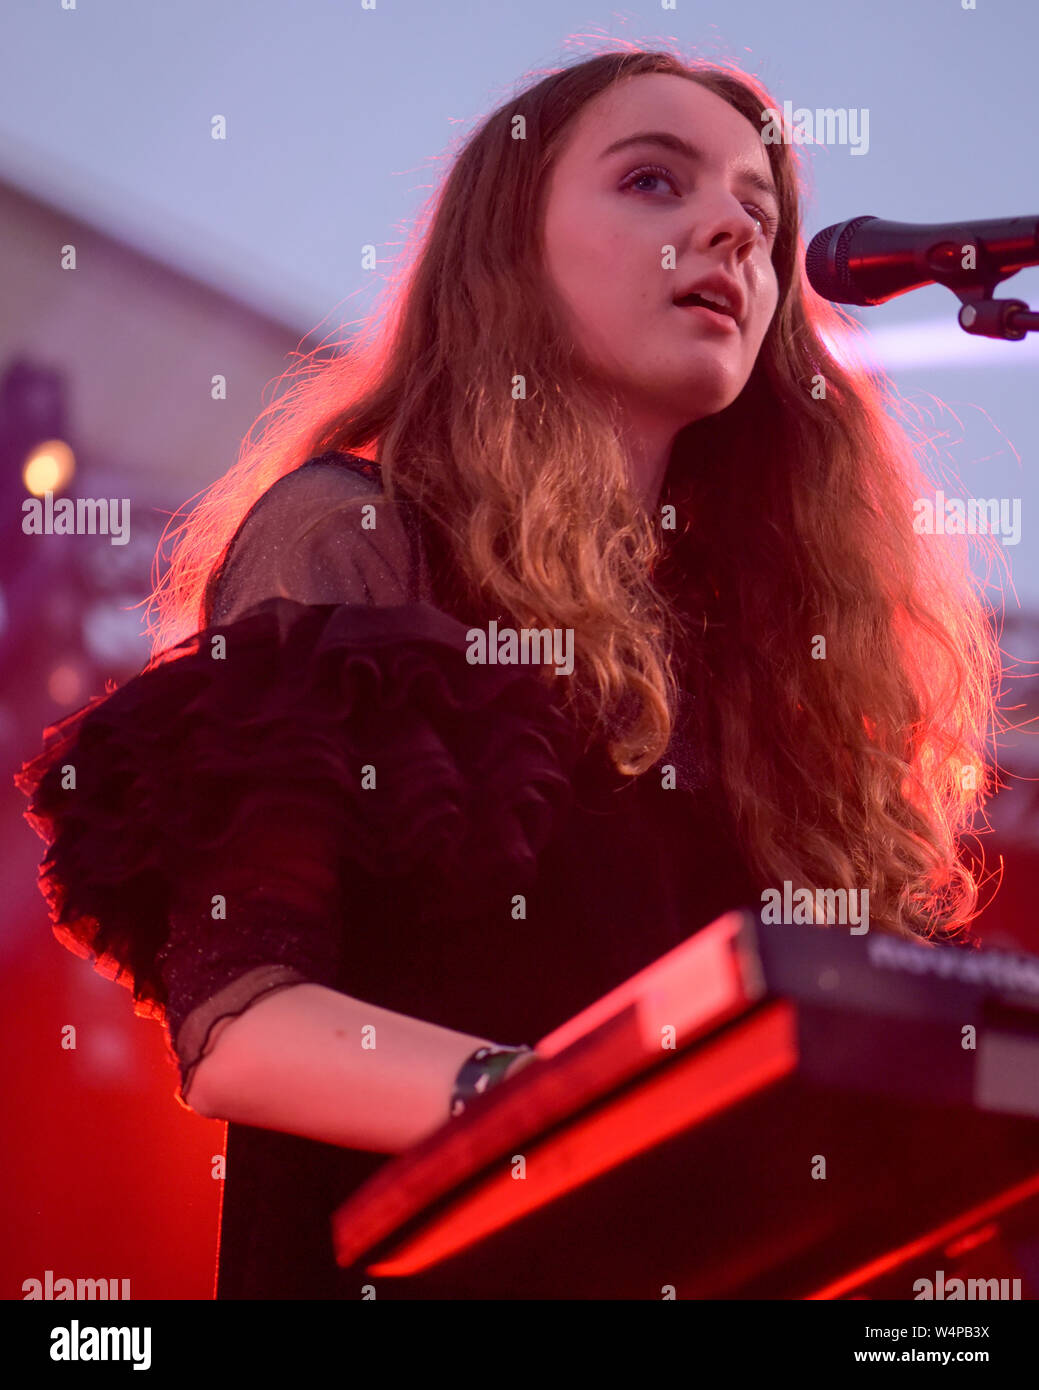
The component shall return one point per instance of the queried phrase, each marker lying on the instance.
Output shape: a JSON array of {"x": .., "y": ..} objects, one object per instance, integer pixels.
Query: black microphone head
[{"x": 826, "y": 262}]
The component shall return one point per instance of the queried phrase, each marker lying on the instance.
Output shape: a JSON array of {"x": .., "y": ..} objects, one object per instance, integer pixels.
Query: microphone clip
[{"x": 1009, "y": 319}]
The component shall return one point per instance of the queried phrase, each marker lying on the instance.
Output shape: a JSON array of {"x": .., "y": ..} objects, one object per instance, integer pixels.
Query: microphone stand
[
  {"x": 982, "y": 314},
  {"x": 994, "y": 318}
]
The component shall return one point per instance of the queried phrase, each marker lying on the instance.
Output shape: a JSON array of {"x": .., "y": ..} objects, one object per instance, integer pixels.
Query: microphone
[{"x": 867, "y": 260}]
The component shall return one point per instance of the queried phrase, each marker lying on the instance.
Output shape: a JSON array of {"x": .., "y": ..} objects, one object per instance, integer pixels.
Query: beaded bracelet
[{"x": 484, "y": 1069}]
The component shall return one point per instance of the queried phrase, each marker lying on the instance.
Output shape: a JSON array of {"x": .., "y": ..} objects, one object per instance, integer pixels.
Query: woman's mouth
[{"x": 717, "y": 318}]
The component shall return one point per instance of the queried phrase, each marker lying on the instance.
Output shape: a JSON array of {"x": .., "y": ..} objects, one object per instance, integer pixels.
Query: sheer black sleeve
[
  {"x": 325, "y": 533},
  {"x": 214, "y": 824}
]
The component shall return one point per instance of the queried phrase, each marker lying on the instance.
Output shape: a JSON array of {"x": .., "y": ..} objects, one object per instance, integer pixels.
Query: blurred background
[{"x": 197, "y": 257}]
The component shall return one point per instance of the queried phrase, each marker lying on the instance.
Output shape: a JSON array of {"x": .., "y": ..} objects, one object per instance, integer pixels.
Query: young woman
[{"x": 317, "y": 824}]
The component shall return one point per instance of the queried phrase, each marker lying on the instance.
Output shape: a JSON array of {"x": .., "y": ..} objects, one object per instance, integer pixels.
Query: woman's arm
[{"x": 293, "y": 1061}]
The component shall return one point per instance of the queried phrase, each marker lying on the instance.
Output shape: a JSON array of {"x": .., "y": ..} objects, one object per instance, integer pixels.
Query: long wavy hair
[{"x": 793, "y": 521}]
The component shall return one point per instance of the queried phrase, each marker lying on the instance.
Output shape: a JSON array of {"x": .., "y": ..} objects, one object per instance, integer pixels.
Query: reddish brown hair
[{"x": 795, "y": 521}]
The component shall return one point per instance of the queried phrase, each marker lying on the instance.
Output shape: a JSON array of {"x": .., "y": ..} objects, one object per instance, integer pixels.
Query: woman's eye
[
  {"x": 768, "y": 222},
  {"x": 650, "y": 171},
  {"x": 655, "y": 171}
]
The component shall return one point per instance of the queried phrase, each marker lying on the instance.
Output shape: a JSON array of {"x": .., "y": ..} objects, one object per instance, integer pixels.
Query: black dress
[{"x": 235, "y": 765}]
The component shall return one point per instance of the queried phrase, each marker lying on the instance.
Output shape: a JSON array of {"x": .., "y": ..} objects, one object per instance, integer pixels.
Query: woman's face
[{"x": 609, "y": 219}]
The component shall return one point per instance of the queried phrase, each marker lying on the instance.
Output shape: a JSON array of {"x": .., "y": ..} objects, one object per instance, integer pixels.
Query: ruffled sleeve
[{"x": 214, "y": 825}]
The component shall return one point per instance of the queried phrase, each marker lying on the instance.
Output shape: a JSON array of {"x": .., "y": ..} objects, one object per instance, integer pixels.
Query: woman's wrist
[{"x": 488, "y": 1066}]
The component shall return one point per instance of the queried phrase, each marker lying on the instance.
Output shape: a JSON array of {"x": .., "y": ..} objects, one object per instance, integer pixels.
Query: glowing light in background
[
  {"x": 66, "y": 685},
  {"x": 931, "y": 343},
  {"x": 49, "y": 468}
]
